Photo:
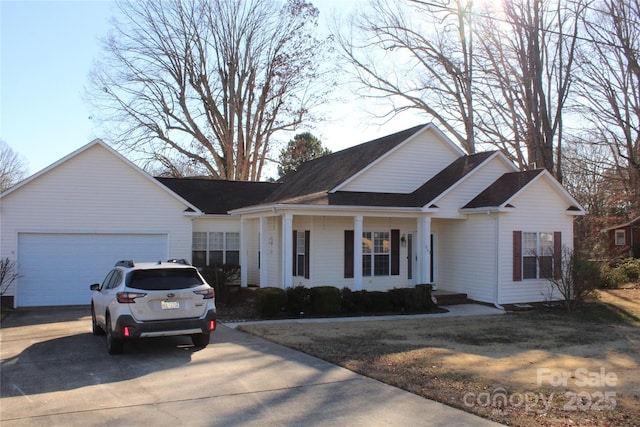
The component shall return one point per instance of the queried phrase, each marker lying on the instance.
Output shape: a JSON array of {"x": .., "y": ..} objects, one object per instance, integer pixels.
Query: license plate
[{"x": 169, "y": 305}]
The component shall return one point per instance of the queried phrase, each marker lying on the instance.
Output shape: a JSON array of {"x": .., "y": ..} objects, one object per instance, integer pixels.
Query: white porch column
[
  {"x": 357, "y": 253},
  {"x": 264, "y": 254},
  {"x": 244, "y": 255},
  {"x": 424, "y": 249},
  {"x": 287, "y": 250}
]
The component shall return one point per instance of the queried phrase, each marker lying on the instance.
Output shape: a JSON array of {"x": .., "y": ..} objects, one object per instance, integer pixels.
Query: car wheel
[
  {"x": 200, "y": 340},
  {"x": 114, "y": 345},
  {"x": 95, "y": 328}
]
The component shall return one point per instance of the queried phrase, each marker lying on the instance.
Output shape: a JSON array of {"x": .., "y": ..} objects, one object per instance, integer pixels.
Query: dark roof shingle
[
  {"x": 213, "y": 196},
  {"x": 503, "y": 189}
]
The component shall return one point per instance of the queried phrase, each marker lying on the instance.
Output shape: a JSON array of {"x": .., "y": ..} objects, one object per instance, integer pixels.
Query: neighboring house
[
  {"x": 397, "y": 211},
  {"x": 624, "y": 239}
]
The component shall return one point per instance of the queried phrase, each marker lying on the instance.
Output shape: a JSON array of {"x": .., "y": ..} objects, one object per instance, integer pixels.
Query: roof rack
[
  {"x": 179, "y": 261},
  {"x": 128, "y": 263}
]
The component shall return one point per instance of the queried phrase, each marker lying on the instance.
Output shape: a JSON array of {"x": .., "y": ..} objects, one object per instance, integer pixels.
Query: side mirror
[{"x": 95, "y": 287}]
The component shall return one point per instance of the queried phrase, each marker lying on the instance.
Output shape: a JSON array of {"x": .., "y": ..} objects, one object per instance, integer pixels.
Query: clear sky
[{"x": 47, "y": 48}]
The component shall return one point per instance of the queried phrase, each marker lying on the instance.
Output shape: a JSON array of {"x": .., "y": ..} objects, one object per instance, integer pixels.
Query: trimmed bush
[
  {"x": 377, "y": 302},
  {"x": 411, "y": 300},
  {"x": 325, "y": 300},
  {"x": 298, "y": 300},
  {"x": 422, "y": 295},
  {"x": 353, "y": 301},
  {"x": 270, "y": 301}
]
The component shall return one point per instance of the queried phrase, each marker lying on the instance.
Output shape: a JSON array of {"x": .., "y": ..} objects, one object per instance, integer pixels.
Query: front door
[{"x": 412, "y": 259}]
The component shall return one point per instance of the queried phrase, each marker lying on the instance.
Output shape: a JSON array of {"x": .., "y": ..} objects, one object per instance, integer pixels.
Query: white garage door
[{"x": 57, "y": 269}]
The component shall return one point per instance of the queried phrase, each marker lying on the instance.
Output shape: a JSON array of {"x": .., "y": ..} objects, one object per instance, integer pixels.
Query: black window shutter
[
  {"x": 557, "y": 255},
  {"x": 517, "y": 256},
  {"x": 395, "y": 252},
  {"x": 295, "y": 253},
  {"x": 307, "y": 239},
  {"x": 348, "y": 254}
]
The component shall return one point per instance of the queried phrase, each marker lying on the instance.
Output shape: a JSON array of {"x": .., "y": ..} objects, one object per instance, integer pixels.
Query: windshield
[{"x": 164, "y": 279}]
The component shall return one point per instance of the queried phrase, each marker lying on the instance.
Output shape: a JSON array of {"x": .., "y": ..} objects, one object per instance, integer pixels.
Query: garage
[{"x": 57, "y": 268}]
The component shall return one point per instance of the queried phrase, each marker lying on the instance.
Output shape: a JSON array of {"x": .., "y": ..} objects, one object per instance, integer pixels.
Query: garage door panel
[{"x": 57, "y": 269}]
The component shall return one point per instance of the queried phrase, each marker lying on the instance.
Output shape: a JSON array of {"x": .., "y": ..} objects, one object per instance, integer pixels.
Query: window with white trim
[
  {"x": 376, "y": 254},
  {"x": 621, "y": 238},
  {"x": 537, "y": 255},
  {"x": 215, "y": 248},
  {"x": 300, "y": 254}
]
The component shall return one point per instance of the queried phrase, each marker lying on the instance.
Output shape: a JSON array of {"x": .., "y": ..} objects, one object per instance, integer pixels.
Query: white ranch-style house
[{"x": 401, "y": 210}]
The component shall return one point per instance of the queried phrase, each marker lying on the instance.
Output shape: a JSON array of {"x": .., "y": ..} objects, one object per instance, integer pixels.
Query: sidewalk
[{"x": 454, "y": 311}]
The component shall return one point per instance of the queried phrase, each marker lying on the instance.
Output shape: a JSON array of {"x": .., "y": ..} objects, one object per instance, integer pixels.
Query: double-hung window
[
  {"x": 537, "y": 255},
  {"x": 215, "y": 248},
  {"x": 376, "y": 254},
  {"x": 301, "y": 248},
  {"x": 621, "y": 238}
]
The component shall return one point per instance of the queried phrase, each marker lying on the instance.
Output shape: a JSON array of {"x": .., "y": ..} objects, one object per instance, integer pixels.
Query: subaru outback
[{"x": 138, "y": 300}]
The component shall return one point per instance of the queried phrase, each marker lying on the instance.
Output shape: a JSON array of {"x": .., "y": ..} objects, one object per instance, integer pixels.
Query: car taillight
[
  {"x": 128, "y": 297},
  {"x": 206, "y": 293},
  {"x": 212, "y": 325}
]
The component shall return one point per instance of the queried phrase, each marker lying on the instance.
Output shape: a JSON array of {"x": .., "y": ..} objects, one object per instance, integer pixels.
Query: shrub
[
  {"x": 631, "y": 269},
  {"x": 411, "y": 300},
  {"x": 325, "y": 300},
  {"x": 353, "y": 301},
  {"x": 377, "y": 302},
  {"x": 222, "y": 278},
  {"x": 422, "y": 295},
  {"x": 612, "y": 278},
  {"x": 579, "y": 278},
  {"x": 298, "y": 300},
  {"x": 270, "y": 301}
]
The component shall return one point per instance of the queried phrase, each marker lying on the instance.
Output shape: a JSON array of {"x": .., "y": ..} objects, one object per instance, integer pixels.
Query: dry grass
[{"x": 470, "y": 362}]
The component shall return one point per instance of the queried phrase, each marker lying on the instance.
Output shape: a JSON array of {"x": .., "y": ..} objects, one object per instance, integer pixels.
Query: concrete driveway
[{"x": 56, "y": 373}]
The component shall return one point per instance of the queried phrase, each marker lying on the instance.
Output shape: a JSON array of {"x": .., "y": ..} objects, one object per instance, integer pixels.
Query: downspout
[{"x": 496, "y": 270}]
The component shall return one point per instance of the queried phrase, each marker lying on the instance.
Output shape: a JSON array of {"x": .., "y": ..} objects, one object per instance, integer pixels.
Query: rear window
[{"x": 164, "y": 280}]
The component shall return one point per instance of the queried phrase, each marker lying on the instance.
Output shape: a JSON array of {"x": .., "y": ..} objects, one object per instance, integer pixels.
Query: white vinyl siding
[
  {"x": 529, "y": 217},
  {"x": 407, "y": 167},
  {"x": 466, "y": 256},
  {"x": 449, "y": 204},
  {"x": 93, "y": 192}
]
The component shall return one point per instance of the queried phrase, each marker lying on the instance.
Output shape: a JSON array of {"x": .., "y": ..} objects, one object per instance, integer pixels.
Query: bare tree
[
  {"x": 417, "y": 55},
  {"x": 208, "y": 82},
  {"x": 8, "y": 274},
  {"x": 529, "y": 56},
  {"x": 12, "y": 167},
  {"x": 610, "y": 87}
]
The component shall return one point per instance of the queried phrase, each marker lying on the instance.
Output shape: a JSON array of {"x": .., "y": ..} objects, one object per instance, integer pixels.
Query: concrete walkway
[{"x": 453, "y": 311}]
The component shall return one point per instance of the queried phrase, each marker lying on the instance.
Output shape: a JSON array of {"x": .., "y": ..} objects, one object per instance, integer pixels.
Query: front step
[{"x": 450, "y": 298}]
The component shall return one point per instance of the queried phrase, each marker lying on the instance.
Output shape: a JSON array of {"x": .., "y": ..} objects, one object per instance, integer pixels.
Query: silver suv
[{"x": 138, "y": 300}]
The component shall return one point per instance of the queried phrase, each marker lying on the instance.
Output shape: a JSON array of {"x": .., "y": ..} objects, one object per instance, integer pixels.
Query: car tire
[
  {"x": 95, "y": 328},
  {"x": 201, "y": 340},
  {"x": 114, "y": 345}
]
